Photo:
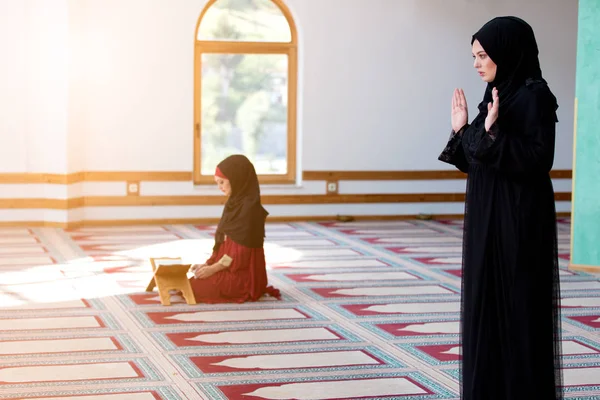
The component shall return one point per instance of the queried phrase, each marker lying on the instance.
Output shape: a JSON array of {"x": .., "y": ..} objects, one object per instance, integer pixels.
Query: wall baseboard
[
  {"x": 103, "y": 201},
  {"x": 594, "y": 269},
  {"x": 204, "y": 221},
  {"x": 294, "y": 199},
  {"x": 186, "y": 176}
]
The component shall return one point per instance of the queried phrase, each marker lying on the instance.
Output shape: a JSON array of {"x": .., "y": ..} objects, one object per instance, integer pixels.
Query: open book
[
  {"x": 166, "y": 261},
  {"x": 169, "y": 266}
]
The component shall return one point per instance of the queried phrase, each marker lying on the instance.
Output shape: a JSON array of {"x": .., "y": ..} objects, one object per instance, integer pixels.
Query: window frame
[{"x": 240, "y": 47}]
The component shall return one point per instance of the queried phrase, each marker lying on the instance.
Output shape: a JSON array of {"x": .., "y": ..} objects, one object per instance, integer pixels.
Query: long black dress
[{"x": 510, "y": 328}]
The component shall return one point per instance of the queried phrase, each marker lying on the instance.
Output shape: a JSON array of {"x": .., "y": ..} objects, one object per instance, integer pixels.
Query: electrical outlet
[
  {"x": 332, "y": 187},
  {"x": 133, "y": 188}
]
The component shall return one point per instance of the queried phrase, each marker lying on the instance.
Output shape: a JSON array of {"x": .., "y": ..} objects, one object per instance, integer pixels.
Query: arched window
[{"x": 245, "y": 87}]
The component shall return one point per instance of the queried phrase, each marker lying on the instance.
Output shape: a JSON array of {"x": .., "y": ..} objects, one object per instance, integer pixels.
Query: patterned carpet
[{"x": 370, "y": 311}]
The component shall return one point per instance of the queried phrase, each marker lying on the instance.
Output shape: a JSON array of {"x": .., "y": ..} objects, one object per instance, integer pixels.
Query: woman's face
[
  {"x": 224, "y": 185},
  {"x": 483, "y": 63}
]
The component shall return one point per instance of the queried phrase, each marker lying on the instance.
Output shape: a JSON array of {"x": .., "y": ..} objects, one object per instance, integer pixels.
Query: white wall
[
  {"x": 138, "y": 61},
  {"x": 379, "y": 82},
  {"x": 33, "y": 91},
  {"x": 12, "y": 78},
  {"x": 107, "y": 85},
  {"x": 78, "y": 88},
  {"x": 383, "y": 85}
]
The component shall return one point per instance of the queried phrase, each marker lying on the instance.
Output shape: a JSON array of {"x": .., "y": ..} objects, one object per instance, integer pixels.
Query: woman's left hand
[
  {"x": 194, "y": 267},
  {"x": 493, "y": 106},
  {"x": 204, "y": 272}
]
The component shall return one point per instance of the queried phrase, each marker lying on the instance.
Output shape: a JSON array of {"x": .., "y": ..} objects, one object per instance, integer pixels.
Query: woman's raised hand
[
  {"x": 493, "y": 107},
  {"x": 460, "y": 112}
]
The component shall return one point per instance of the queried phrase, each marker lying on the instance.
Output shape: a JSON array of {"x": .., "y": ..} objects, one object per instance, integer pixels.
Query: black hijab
[
  {"x": 243, "y": 218},
  {"x": 511, "y": 44}
]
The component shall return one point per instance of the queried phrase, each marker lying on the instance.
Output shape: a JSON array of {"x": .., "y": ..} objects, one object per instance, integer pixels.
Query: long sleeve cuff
[
  {"x": 488, "y": 138},
  {"x": 452, "y": 147},
  {"x": 225, "y": 260}
]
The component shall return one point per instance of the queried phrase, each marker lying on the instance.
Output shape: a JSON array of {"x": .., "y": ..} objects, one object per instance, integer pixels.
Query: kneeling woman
[{"x": 236, "y": 270}]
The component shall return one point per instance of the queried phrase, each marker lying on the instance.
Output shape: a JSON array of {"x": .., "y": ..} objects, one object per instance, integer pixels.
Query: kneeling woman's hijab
[{"x": 243, "y": 218}]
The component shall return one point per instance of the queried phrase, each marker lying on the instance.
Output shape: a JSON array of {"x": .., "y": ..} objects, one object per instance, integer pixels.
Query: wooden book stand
[{"x": 170, "y": 274}]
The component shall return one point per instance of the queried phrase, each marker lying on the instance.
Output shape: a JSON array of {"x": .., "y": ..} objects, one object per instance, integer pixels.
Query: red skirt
[{"x": 244, "y": 280}]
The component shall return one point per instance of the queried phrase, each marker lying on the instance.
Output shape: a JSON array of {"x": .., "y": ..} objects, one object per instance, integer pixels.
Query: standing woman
[
  {"x": 236, "y": 270},
  {"x": 510, "y": 317}
]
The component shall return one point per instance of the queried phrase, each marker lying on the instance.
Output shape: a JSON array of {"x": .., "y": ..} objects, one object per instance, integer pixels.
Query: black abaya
[{"x": 510, "y": 318}]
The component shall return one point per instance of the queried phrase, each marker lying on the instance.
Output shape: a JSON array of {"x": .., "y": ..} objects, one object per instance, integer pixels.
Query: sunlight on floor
[{"x": 63, "y": 285}]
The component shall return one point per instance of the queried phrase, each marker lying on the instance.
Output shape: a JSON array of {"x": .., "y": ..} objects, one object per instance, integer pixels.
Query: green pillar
[{"x": 585, "y": 219}]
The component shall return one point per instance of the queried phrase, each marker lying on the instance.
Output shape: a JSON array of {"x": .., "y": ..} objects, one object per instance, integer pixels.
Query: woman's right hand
[{"x": 460, "y": 112}]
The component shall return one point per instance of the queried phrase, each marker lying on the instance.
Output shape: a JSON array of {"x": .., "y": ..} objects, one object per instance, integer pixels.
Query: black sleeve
[
  {"x": 453, "y": 153},
  {"x": 530, "y": 150}
]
